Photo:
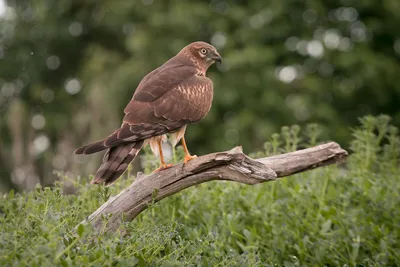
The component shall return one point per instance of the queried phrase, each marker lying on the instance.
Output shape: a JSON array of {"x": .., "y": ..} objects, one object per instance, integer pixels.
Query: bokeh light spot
[
  {"x": 47, "y": 95},
  {"x": 75, "y": 28},
  {"x": 315, "y": 48},
  {"x": 287, "y": 74},
  {"x": 218, "y": 40},
  {"x": 72, "y": 86},
  {"x": 38, "y": 121},
  {"x": 41, "y": 144},
  {"x": 53, "y": 62}
]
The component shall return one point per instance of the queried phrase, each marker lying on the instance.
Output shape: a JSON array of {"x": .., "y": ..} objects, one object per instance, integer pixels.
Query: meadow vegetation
[{"x": 344, "y": 215}]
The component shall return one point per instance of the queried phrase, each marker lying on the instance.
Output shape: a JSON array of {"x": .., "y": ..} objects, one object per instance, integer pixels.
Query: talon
[
  {"x": 163, "y": 167},
  {"x": 188, "y": 158}
]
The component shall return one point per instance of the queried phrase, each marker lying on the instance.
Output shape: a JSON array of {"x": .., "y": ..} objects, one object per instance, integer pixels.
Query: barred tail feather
[
  {"x": 116, "y": 161},
  {"x": 91, "y": 148}
]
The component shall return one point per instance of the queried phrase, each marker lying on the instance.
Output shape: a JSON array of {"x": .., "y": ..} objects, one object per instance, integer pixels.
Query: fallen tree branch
[{"x": 230, "y": 165}]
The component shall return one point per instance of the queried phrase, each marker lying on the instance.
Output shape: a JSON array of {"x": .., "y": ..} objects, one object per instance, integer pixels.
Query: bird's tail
[
  {"x": 91, "y": 148},
  {"x": 116, "y": 161}
]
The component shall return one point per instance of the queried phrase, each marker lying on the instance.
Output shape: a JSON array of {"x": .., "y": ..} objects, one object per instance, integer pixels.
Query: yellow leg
[
  {"x": 163, "y": 165},
  {"x": 187, "y": 154}
]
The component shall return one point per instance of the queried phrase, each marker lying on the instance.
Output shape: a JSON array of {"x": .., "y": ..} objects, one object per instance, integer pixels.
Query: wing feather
[
  {"x": 167, "y": 99},
  {"x": 171, "y": 99}
]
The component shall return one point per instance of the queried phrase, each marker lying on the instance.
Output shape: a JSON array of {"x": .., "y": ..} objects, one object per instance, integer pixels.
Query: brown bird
[{"x": 167, "y": 99}]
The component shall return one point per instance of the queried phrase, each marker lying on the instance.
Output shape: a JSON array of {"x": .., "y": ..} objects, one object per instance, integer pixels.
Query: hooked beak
[{"x": 216, "y": 57}]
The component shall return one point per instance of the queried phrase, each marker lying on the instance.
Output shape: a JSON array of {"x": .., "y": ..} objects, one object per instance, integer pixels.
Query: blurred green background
[{"x": 68, "y": 68}]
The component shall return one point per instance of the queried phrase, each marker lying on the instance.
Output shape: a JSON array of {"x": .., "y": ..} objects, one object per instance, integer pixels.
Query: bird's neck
[{"x": 201, "y": 66}]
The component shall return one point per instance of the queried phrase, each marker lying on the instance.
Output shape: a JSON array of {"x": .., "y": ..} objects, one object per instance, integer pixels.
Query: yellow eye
[{"x": 203, "y": 51}]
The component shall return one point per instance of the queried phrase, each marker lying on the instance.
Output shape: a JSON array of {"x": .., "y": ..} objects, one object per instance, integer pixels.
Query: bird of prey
[{"x": 166, "y": 100}]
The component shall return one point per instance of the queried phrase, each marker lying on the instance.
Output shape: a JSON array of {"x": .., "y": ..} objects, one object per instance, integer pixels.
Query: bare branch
[{"x": 230, "y": 165}]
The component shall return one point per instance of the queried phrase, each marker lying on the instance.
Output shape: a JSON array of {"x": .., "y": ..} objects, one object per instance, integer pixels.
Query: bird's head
[{"x": 202, "y": 54}]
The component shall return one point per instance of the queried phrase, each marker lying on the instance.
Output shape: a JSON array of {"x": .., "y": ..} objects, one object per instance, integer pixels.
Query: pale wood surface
[{"x": 230, "y": 165}]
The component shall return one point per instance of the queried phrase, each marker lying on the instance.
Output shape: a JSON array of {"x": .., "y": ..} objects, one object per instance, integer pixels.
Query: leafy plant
[{"x": 332, "y": 216}]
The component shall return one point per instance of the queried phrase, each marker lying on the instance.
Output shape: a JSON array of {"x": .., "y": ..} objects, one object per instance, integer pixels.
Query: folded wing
[{"x": 164, "y": 102}]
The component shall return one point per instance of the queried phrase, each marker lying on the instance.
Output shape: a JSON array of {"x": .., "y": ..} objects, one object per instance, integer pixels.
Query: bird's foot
[
  {"x": 188, "y": 158},
  {"x": 163, "y": 167}
]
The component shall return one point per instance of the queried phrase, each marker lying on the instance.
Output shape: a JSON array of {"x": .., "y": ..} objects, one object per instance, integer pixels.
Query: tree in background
[{"x": 68, "y": 68}]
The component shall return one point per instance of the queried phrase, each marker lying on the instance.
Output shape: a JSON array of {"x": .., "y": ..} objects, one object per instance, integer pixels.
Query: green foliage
[
  {"x": 69, "y": 67},
  {"x": 330, "y": 216}
]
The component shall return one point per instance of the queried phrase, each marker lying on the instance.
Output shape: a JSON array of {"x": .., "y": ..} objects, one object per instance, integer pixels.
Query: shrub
[{"x": 329, "y": 216}]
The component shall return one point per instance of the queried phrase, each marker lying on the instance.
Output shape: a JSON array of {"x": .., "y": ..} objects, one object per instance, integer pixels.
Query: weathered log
[{"x": 230, "y": 165}]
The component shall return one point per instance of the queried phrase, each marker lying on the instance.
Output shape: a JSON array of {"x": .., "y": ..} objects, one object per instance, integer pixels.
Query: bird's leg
[
  {"x": 187, "y": 154},
  {"x": 162, "y": 161}
]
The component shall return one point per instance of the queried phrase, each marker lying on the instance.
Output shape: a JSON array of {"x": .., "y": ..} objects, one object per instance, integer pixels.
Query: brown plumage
[{"x": 167, "y": 99}]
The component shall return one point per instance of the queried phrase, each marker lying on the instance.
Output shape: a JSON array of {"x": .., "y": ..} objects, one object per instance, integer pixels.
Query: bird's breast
[{"x": 197, "y": 96}]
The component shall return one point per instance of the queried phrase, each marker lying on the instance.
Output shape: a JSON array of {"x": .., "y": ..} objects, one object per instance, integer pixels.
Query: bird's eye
[{"x": 203, "y": 51}]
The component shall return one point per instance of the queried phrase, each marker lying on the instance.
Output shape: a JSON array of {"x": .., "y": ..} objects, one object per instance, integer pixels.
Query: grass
[{"x": 332, "y": 216}]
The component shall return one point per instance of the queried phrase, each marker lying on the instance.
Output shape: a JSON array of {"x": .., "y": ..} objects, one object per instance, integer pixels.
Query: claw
[
  {"x": 163, "y": 167},
  {"x": 188, "y": 158}
]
